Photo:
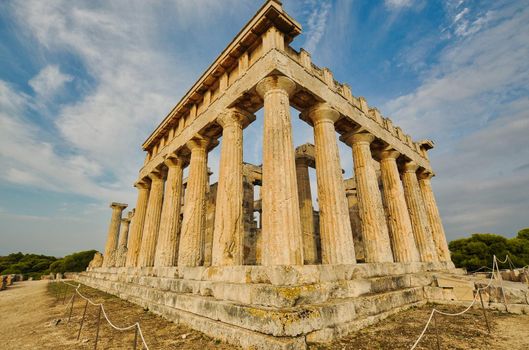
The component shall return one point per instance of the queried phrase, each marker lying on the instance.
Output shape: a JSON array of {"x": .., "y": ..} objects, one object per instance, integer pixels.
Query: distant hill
[{"x": 34, "y": 265}]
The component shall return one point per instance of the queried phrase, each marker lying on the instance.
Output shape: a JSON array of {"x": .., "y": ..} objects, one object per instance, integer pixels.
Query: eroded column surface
[
  {"x": 281, "y": 232},
  {"x": 419, "y": 219},
  {"x": 152, "y": 221},
  {"x": 134, "y": 245},
  {"x": 310, "y": 247},
  {"x": 335, "y": 227},
  {"x": 434, "y": 217},
  {"x": 228, "y": 234},
  {"x": 167, "y": 245},
  {"x": 400, "y": 230},
  {"x": 109, "y": 258},
  {"x": 191, "y": 247},
  {"x": 377, "y": 246},
  {"x": 121, "y": 252}
]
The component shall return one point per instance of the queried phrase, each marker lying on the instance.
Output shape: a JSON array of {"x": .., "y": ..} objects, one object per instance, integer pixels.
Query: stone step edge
[{"x": 278, "y": 328}]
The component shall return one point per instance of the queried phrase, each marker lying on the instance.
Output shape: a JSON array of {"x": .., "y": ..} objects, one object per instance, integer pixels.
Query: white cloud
[
  {"x": 398, "y": 4},
  {"x": 474, "y": 104},
  {"x": 316, "y": 23},
  {"x": 49, "y": 81}
]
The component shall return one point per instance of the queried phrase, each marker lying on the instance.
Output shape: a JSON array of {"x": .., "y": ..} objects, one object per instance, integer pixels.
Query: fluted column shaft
[
  {"x": 191, "y": 248},
  {"x": 400, "y": 230},
  {"x": 434, "y": 217},
  {"x": 281, "y": 233},
  {"x": 419, "y": 219},
  {"x": 228, "y": 233},
  {"x": 167, "y": 245},
  {"x": 124, "y": 232},
  {"x": 152, "y": 221},
  {"x": 306, "y": 211},
  {"x": 377, "y": 244},
  {"x": 336, "y": 236},
  {"x": 113, "y": 233},
  {"x": 136, "y": 233}
]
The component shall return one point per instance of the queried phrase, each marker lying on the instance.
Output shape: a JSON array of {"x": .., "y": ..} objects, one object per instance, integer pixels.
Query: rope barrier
[
  {"x": 495, "y": 267},
  {"x": 121, "y": 329}
]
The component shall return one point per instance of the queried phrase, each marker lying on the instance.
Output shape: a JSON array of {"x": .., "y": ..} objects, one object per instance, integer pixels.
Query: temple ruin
[{"x": 195, "y": 252}]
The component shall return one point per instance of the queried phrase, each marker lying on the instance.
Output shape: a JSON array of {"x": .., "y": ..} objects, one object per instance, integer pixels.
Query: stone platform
[{"x": 273, "y": 307}]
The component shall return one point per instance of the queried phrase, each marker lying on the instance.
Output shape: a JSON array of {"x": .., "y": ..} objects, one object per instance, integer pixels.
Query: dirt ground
[{"x": 33, "y": 316}]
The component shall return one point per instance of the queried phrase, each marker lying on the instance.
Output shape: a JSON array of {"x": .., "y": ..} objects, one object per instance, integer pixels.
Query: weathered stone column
[
  {"x": 109, "y": 258},
  {"x": 121, "y": 251},
  {"x": 310, "y": 247},
  {"x": 152, "y": 221},
  {"x": 401, "y": 233},
  {"x": 354, "y": 217},
  {"x": 167, "y": 245},
  {"x": 434, "y": 217},
  {"x": 136, "y": 233},
  {"x": 419, "y": 219},
  {"x": 190, "y": 250},
  {"x": 335, "y": 227},
  {"x": 228, "y": 234},
  {"x": 281, "y": 234},
  {"x": 377, "y": 246}
]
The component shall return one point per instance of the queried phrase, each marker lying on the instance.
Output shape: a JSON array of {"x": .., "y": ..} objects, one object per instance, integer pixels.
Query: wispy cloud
[
  {"x": 397, "y": 4},
  {"x": 48, "y": 81},
  {"x": 316, "y": 23}
]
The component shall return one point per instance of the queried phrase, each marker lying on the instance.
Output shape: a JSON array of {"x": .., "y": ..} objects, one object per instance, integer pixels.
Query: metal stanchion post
[
  {"x": 484, "y": 311},
  {"x": 436, "y": 331},
  {"x": 82, "y": 320},
  {"x": 97, "y": 331}
]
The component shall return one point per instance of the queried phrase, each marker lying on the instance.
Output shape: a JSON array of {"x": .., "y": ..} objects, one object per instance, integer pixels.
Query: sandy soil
[{"x": 33, "y": 316}]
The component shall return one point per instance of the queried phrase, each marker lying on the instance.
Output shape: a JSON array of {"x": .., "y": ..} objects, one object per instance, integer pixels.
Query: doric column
[
  {"x": 113, "y": 233},
  {"x": 310, "y": 246},
  {"x": 434, "y": 217},
  {"x": 419, "y": 219},
  {"x": 167, "y": 245},
  {"x": 354, "y": 217},
  {"x": 136, "y": 233},
  {"x": 228, "y": 234},
  {"x": 121, "y": 252},
  {"x": 335, "y": 227},
  {"x": 401, "y": 233},
  {"x": 281, "y": 232},
  {"x": 152, "y": 221},
  {"x": 377, "y": 246},
  {"x": 191, "y": 248}
]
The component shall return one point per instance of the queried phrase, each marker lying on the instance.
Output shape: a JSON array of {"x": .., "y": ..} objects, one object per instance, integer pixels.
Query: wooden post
[
  {"x": 436, "y": 331},
  {"x": 82, "y": 320},
  {"x": 71, "y": 309},
  {"x": 136, "y": 337},
  {"x": 484, "y": 311},
  {"x": 97, "y": 331}
]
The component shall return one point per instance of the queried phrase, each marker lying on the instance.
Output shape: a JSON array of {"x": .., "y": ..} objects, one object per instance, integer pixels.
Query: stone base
[{"x": 273, "y": 307}]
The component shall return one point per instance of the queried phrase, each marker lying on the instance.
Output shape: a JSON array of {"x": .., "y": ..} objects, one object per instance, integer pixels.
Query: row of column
[{"x": 413, "y": 231}]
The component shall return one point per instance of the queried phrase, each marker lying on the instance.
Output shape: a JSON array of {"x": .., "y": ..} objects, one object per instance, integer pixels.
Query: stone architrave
[
  {"x": 191, "y": 247},
  {"x": 419, "y": 219},
  {"x": 336, "y": 236},
  {"x": 152, "y": 221},
  {"x": 134, "y": 244},
  {"x": 375, "y": 233},
  {"x": 434, "y": 217},
  {"x": 281, "y": 232},
  {"x": 228, "y": 233},
  {"x": 401, "y": 232},
  {"x": 167, "y": 245},
  {"x": 113, "y": 233},
  {"x": 310, "y": 246}
]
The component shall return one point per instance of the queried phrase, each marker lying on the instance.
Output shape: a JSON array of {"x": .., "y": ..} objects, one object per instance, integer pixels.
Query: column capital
[
  {"x": 389, "y": 154},
  {"x": 275, "y": 82},
  {"x": 141, "y": 184},
  {"x": 321, "y": 112},
  {"x": 235, "y": 117},
  {"x": 425, "y": 174},
  {"x": 358, "y": 137},
  {"x": 125, "y": 220},
  {"x": 120, "y": 206},
  {"x": 173, "y": 161},
  {"x": 156, "y": 176},
  {"x": 410, "y": 167},
  {"x": 198, "y": 142}
]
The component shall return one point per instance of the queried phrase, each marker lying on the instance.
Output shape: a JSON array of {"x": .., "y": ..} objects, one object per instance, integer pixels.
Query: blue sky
[{"x": 83, "y": 83}]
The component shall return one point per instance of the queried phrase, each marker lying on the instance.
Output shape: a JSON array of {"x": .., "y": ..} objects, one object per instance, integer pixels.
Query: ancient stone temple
[{"x": 195, "y": 253}]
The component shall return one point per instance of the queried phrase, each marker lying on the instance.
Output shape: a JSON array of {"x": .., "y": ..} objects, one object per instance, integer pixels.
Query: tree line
[
  {"x": 477, "y": 251},
  {"x": 35, "y": 265}
]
